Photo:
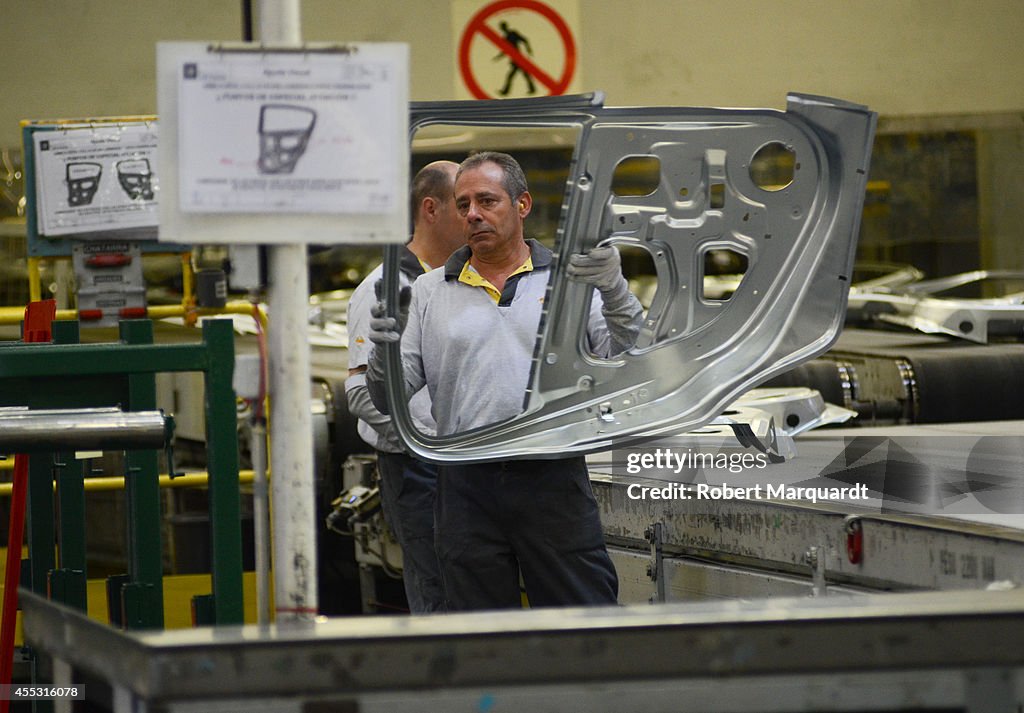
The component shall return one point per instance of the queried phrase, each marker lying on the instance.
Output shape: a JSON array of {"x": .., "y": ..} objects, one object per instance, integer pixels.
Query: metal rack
[{"x": 66, "y": 374}]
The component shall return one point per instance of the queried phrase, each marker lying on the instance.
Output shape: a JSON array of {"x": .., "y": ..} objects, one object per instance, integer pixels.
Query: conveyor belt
[
  {"x": 944, "y": 510},
  {"x": 758, "y": 539}
]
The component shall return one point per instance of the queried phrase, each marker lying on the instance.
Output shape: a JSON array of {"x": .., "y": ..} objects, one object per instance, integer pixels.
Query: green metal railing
[{"x": 67, "y": 374}]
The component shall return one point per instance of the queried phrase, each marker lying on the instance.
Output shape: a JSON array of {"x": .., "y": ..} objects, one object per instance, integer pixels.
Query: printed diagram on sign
[
  {"x": 83, "y": 180},
  {"x": 136, "y": 178},
  {"x": 284, "y": 135},
  {"x": 284, "y": 132},
  {"x": 95, "y": 177},
  {"x": 519, "y": 42}
]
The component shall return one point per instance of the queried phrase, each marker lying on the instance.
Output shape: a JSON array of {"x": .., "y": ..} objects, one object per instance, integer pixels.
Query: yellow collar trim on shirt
[{"x": 473, "y": 278}]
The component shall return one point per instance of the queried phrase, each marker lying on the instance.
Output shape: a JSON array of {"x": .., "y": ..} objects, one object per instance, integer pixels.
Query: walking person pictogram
[
  {"x": 515, "y": 39},
  {"x": 513, "y": 28}
]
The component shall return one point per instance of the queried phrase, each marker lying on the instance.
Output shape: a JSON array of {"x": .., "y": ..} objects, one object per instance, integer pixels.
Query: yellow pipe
[
  {"x": 14, "y": 315},
  {"x": 35, "y": 290},
  {"x": 237, "y": 307},
  {"x": 192, "y": 480},
  {"x": 187, "y": 280},
  {"x": 91, "y": 121}
]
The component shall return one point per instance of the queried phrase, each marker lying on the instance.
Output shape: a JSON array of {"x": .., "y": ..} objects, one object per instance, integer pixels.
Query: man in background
[{"x": 407, "y": 485}]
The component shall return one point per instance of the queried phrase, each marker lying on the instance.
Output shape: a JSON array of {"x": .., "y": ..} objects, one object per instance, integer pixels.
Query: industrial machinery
[
  {"x": 356, "y": 513},
  {"x": 826, "y": 530}
]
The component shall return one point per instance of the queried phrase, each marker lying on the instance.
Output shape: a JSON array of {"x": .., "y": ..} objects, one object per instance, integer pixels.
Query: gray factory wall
[
  {"x": 911, "y": 60},
  {"x": 96, "y": 57},
  {"x": 1001, "y": 198}
]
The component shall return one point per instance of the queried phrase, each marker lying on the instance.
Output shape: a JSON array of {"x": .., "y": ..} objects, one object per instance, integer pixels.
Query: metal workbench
[{"x": 935, "y": 651}]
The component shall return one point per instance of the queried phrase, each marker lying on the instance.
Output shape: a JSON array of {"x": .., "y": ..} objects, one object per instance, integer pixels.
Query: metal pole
[
  {"x": 291, "y": 423},
  {"x": 261, "y": 521},
  {"x": 30, "y": 430}
]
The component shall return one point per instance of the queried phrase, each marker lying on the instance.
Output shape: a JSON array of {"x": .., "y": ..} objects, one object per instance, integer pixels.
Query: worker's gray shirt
[
  {"x": 473, "y": 352},
  {"x": 374, "y": 427}
]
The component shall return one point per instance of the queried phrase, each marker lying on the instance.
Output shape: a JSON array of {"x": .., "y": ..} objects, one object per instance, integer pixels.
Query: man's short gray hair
[{"x": 514, "y": 182}]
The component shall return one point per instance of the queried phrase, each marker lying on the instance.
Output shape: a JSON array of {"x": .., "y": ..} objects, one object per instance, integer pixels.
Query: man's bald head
[{"x": 435, "y": 180}]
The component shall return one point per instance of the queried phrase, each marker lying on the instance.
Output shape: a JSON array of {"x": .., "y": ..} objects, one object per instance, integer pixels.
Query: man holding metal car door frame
[{"x": 469, "y": 338}]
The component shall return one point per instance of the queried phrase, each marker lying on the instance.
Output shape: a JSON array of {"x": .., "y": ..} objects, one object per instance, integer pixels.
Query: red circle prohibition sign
[{"x": 478, "y": 25}]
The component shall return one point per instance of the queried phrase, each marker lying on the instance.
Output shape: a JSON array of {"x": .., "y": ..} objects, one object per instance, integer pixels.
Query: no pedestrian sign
[{"x": 515, "y": 48}]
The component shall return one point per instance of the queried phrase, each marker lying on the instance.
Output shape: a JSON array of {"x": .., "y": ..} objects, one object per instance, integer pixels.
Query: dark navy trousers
[
  {"x": 534, "y": 517},
  {"x": 407, "y": 488}
]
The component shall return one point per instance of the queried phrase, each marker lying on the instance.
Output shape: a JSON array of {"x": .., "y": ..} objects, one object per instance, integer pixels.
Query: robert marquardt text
[{"x": 760, "y": 491}]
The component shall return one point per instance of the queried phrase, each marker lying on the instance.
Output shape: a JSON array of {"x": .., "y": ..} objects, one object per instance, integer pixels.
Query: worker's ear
[
  {"x": 524, "y": 203},
  {"x": 428, "y": 208}
]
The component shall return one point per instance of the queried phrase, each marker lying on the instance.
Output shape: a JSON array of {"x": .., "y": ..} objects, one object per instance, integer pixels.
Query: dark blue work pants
[
  {"x": 407, "y": 488},
  {"x": 537, "y": 517}
]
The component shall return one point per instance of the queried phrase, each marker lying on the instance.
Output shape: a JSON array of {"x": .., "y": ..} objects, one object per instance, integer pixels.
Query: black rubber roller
[
  {"x": 971, "y": 384},
  {"x": 820, "y": 374}
]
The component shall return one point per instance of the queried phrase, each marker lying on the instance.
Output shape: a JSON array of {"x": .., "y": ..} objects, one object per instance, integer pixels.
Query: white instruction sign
[
  {"x": 96, "y": 178},
  {"x": 291, "y": 132}
]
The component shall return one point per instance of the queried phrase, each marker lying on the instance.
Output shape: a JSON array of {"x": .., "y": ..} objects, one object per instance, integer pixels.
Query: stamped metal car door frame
[
  {"x": 694, "y": 355},
  {"x": 921, "y": 306}
]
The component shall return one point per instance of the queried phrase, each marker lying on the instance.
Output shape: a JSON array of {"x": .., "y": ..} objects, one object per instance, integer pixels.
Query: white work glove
[
  {"x": 602, "y": 268},
  {"x": 385, "y": 330}
]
